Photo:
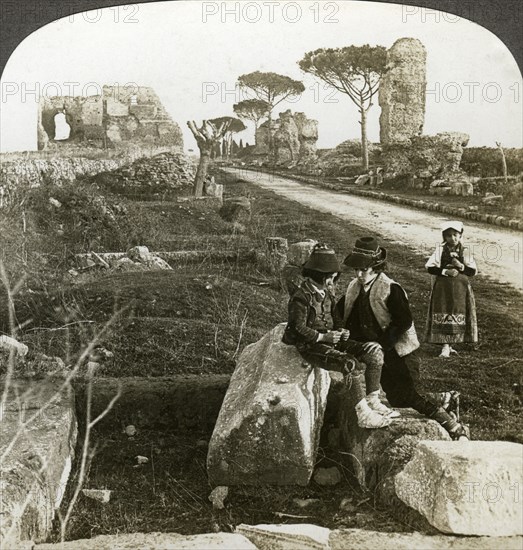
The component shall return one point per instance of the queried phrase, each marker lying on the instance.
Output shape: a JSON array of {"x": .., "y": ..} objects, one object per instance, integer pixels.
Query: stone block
[
  {"x": 139, "y": 254},
  {"x": 365, "y": 539},
  {"x": 299, "y": 253},
  {"x": 302, "y": 536},
  {"x": 362, "y": 180},
  {"x": 377, "y": 455},
  {"x": 39, "y": 417},
  {"x": 268, "y": 428},
  {"x": 156, "y": 541},
  {"x": 466, "y": 487},
  {"x": 9, "y": 344},
  {"x": 236, "y": 209}
]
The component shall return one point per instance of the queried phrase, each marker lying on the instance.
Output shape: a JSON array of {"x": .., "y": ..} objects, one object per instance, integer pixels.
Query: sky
[{"x": 192, "y": 53}]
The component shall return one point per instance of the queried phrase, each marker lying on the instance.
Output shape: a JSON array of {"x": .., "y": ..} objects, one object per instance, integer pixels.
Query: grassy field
[{"x": 198, "y": 317}]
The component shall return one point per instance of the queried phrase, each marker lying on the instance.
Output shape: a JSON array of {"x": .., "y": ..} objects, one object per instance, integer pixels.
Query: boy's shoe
[
  {"x": 448, "y": 400},
  {"x": 456, "y": 430},
  {"x": 367, "y": 418},
  {"x": 461, "y": 433},
  {"x": 376, "y": 405}
]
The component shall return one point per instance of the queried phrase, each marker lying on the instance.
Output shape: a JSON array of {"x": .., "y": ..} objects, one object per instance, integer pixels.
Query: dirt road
[{"x": 498, "y": 251}]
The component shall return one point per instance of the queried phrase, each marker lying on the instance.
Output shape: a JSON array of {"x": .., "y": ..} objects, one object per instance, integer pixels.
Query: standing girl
[{"x": 452, "y": 310}]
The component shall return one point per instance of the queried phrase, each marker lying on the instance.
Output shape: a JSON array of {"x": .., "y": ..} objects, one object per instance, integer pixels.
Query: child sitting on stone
[{"x": 310, "y": 329}]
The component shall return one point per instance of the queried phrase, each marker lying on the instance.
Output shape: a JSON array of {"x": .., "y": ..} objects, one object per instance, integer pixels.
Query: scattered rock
[
  {"x": 213, "y": 189},
  {"x": 492, "y": 200},
  {"x": 130, "y": 430},
  {"x": 236, "y": 210},
  {"x": 10, "y": 344},
  {"x": 101, "y": 495},
  {"x": 362, "y": 180},
  {"x": 217, "y": 497},
  {"x": 100, "y": 354},
  {"x": 139, "y": 254},
  {"x": 142, "y": 459},
  {"x": 327, "y": 476},
  {"x": 305, "y": 502},
  {"x": 347, "y": 506}
]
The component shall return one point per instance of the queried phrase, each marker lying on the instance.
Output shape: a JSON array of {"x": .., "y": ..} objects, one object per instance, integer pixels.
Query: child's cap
[
  {"x": 323, "y": 259},
  {"x": 366, "y": 253},
  {"x": 458, "y": 226}
]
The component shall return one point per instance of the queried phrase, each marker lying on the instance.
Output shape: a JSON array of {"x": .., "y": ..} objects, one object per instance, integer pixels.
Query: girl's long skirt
[{"x": 452, "y": 311}]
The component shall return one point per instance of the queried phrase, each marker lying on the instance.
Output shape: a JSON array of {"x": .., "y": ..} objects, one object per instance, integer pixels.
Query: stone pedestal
[{"x": 268, "y": 428}]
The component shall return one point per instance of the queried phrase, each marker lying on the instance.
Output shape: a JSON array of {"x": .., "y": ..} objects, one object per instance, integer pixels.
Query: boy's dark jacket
[{"x": 302, "y": 315}]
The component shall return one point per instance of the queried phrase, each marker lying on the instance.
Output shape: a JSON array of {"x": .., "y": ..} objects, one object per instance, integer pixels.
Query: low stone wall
[{"x": 185, "y": 403}]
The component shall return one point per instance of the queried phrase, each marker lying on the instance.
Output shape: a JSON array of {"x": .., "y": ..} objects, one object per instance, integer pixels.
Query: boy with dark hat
[
  {"x": 376, "y": 311},
  {"x": 310, "y": 329}
]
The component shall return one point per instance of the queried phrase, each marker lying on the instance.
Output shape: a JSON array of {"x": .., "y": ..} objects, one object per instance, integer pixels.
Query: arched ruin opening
[{"x": 62, "y": 129}]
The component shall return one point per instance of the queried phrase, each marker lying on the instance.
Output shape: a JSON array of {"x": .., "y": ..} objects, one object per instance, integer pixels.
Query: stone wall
[
  {"x": 120, "y": 114},
  {"x": 402, "y": 91},
  {"x": 425, "y": 156},
  {"x": 27, "y": 172}
]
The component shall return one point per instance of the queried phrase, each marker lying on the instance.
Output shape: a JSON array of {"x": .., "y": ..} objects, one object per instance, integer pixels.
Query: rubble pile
[{"x": 157, "y": 174}]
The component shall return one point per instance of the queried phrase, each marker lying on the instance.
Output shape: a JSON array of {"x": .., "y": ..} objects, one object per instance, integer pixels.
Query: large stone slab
[
  {"x": 301, "y": 536},
  {"x": 37, "y": 437},
  {"x": 376, "y": 456},
  {"x": 466, "y": 487},
  {"x": 268, "y": 428},
  {"x": 156, "y": 541},
  {"x": 362, "y": 539}
]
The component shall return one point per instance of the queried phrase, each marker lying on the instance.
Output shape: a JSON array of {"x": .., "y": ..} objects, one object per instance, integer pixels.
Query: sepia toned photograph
[{"x": 261, "y": 275}]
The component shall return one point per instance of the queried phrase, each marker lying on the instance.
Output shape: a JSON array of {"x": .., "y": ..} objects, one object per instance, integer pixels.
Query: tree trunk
[
  {"x": 271, "y": 141},
  {"x": 207, "y": 137},
  {"x": 364, "y": 145},
  {"x": 503, "y": 161},
  {"x": 201, "y": 172}
]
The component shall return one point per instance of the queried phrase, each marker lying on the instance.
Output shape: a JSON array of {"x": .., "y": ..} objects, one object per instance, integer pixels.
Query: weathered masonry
[{"x": 120, "y": 114}]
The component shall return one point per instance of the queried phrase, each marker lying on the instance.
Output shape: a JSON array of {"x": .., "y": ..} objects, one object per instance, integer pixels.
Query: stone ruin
[
  {"x": 402, "y": 91},
  {"x": 117, "y": 116},
  {"x": 294, "y": 136},
  {"x": 423, "y": 160}
]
